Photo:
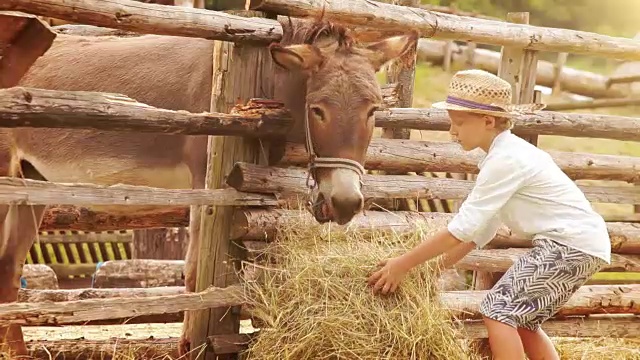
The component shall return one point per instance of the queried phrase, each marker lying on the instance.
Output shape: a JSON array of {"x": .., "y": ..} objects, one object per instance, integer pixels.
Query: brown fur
[{"x": 175, "y": 73}]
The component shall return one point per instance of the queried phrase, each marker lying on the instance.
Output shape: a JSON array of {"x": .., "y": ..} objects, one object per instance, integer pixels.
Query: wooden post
[
  {"x": 518, "y": 67},
  {"x": 240, "y": 72},
  {"x": 402, "y": 72},
  {"x": 160, "y": 244},
  {"x": 557, "y": 73}
]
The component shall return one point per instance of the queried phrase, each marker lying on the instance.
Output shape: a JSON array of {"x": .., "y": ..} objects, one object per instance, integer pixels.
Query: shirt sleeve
[{"x": 478, "y": 218}]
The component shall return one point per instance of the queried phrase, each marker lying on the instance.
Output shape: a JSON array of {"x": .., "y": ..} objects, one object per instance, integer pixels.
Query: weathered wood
[
  {"x": 582, "y": 327},
  {"x": 31, "y": 107},
  {"x": 139, "y": 273},
  {"x": 591, "y": 299},
  {"x": 82, "y": 219},
  {"x": 570, "y": 80},
  {"x": 390, "y": 95},
  {"x": 90, "y": 30},
  {"x": 622, "y": 79},
  {"x": 34, "y": 192},
  {"x": 240, "y": 72},
  {"x": 161, "y": 244},
  {"x": 39, "y": 276},
  {"x": 421, "y": 156},
  {"x": 439, "y": 25},
  {"x": 592, "y": 104},
  {"x": 153, "y": 19},
  {"x": 588, "y": 300},
  {"x": 73, "y": 312},
  {"x": 255, "y": 224},
  {"x": 541, "y": 123},
  {"x": 402, "y": 72},
  {"x": 81, "y": 349},
  {"x": 37, "y": 296},
  {"x": 500, "y": 260},
  {"x": 24, "y": 39},
  {"x": 291, "y": 182},
  {"x": 454, "y": 11}
]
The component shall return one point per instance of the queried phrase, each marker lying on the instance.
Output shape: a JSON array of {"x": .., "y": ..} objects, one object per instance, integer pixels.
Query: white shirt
[{"x": 521, "y": 186}]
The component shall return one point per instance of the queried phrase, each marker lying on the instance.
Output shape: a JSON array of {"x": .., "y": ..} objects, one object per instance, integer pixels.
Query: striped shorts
[{"x": 538, "y": 284}]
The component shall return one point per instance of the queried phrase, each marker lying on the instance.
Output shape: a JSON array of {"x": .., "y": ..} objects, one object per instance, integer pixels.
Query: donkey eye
[
  {"x": 372, "y": 111},
  {"x": 318, "y": 112}
]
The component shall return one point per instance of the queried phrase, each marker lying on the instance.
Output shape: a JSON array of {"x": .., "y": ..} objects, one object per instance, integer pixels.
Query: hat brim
[{"x": 509, "y": 111}]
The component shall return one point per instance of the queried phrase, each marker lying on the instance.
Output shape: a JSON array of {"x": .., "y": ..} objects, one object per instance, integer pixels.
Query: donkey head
[{"x": 337, "y": 96}]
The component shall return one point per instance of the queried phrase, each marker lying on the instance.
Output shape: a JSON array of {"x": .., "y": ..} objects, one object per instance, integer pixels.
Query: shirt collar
[{"x": 496, "y": 141}]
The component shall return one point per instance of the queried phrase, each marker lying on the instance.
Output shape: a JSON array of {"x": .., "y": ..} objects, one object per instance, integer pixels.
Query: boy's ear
[{"x": 489, "y": 121}]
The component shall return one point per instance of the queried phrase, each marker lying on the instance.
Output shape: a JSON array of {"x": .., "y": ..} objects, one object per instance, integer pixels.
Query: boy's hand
[{"x": 388, "y": 277}]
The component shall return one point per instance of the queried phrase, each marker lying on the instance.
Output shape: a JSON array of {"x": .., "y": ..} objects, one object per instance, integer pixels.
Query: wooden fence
[{"x": 256, "y": 207}]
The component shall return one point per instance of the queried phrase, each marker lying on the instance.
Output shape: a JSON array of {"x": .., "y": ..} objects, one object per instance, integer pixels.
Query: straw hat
[{"x": 482, "y": 92}]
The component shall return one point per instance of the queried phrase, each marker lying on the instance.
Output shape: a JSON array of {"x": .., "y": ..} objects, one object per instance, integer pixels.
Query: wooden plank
[
  {"x": 593, "y": 104},
  {"x": 620, "y": 327},
  {"x": 263, "y": 224},
  {"x": 138, "y": 273},
  {"x": 34, "y": 192},
  {"x": 28, "y": 107},
  {"x": 152, "y": 348},
  {"x": 38, "y": 296},
  {"x": 82, "y": 349},
  {"x": 541, "y": 123},
  {"x": 500, "y": 260},
  {"x": 421, "y": 156},
  {"x": 67, "y": 217},
  {"x": 446, "y": 26},
  {"x": 70, "y": 312},
  {"x": 39, "y": 276},
  {"x": 22, "y": 44},
  {"x": 291, "y": 182},
  {"x": 465, "y": 304},
  {"x": 619, "y": 79},
  {"x": 571, "y": 80},
  {"x": 154, "y": 19},
  {"x": 31, "y": 107},
  {"x": 240, "y": 72}
]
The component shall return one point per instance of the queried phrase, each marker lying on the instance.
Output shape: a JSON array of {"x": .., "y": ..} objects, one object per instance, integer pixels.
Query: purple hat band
[{"x": 471, "y": 104}]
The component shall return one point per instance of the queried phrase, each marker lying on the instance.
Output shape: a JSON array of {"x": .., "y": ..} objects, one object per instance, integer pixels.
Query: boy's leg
[
  {"x": 537, "y": 345},
  {"x": 504, "y": 340},
  {"x": 565, "y": 271},
  {"x": 533, "y": 289}
]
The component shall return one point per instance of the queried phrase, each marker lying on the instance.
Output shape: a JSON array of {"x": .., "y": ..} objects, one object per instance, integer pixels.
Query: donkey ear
[
  {"x": 390, "y": 48},
  {"x": 296, "y": 57}
]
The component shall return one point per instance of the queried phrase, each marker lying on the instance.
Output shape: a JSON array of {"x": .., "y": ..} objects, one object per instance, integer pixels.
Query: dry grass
[
  {"x": 598, "y": 349},
  {"x": 316, "y": 305}
]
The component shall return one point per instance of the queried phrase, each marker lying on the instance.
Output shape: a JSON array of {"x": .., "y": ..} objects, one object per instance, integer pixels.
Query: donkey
[{"x": 324, "y": 76}]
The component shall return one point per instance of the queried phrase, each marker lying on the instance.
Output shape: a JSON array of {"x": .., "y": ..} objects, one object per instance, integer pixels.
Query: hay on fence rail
[{"x": 315, "y": 304}]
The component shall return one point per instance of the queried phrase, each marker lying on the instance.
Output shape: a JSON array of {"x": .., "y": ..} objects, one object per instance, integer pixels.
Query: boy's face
[{"x": 471, "y": 130}]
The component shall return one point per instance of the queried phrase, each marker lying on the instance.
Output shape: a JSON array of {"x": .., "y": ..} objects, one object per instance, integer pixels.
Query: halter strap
[{"x": 326, "y": 162}]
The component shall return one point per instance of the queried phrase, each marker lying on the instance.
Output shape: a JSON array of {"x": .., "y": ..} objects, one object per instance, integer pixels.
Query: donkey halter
[{"x": 316, "y": 161}]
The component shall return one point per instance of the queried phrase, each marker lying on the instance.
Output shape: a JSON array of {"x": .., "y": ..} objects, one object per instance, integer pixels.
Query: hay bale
[{"x": 315, "y": 304}]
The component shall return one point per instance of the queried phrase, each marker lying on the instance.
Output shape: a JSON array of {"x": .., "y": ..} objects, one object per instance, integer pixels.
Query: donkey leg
[{"x": 18, "y": 233}]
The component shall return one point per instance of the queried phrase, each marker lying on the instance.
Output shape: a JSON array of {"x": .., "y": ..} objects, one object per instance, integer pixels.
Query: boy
[{"x": 518, "y": 185}]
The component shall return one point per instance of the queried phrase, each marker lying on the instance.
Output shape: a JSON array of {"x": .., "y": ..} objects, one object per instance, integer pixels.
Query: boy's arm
[{"x": 451, "y": 257}]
